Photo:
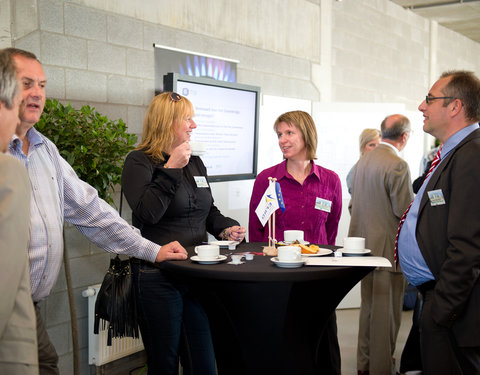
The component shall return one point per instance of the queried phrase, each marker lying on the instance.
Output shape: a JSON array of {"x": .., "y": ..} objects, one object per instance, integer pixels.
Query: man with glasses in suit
[{"x": 439, "y": 242}]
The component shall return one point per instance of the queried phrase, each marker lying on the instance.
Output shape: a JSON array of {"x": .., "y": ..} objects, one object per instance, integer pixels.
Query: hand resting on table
[{"x": 171, "y": 251}]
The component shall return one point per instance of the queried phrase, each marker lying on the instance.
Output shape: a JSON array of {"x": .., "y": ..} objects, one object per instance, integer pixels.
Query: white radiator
[{"x": 98, "y": 351}]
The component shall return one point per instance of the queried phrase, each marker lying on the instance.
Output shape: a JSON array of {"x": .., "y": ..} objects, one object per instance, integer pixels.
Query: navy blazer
[{"x": 449, "y": 238}]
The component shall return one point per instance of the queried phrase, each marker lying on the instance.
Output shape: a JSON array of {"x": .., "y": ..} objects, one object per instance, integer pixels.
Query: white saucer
[
  {"x": 283, "y": 243},
  {"x": 223, "y": 243},
  {"x": 235, "y": 264},
  {"x": 288, "y": 264},
  {"x": 220, "y": 258},
  {"x": 352, "y": 253},
  {"x": 320, "y": 253}
]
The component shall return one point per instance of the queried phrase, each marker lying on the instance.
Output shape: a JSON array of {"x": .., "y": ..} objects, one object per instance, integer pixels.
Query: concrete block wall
[
  {"x": 456, "y": 52},
  {"x": 101, "y": 53},
  {"x": 380, "y": 53}
]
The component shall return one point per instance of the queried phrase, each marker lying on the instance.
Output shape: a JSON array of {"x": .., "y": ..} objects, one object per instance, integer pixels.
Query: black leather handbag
[{"x": 115, "y": 304}]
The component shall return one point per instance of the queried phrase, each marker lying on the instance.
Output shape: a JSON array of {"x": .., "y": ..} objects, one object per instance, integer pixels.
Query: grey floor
[{"x": 347, "y": 323}]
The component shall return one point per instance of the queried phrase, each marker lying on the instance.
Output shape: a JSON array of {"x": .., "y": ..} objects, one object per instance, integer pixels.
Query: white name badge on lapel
[
  {"x": 436, "y": 197},
  {"x": 201, "y": 181},
  {"x": 323, "y": 205}
]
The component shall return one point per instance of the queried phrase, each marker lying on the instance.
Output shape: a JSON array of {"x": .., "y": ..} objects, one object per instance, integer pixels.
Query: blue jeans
[{"x": 173, "y": 325}]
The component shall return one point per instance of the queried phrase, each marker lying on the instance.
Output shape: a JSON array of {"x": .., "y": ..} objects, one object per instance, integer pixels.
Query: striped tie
[{"x": 435, "y": 162}]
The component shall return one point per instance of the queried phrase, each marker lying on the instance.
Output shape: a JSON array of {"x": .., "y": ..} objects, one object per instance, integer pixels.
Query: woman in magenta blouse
[
  {"x": 312, "y": 194},
  {"x": 313, "y": 203}
]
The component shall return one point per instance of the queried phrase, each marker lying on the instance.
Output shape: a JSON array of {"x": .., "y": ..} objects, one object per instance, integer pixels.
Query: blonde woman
[
  {"x": 167, "y": 189},
  {"x": 369, "y": 139}
]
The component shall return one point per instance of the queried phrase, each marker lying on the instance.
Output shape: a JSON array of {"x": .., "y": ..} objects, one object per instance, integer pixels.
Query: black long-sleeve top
[{"x": 166, "y": 203}]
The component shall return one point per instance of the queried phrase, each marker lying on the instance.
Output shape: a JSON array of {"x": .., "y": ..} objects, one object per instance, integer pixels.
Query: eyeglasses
[
  {"x": 428, "y": 99},
  {"x": 174, "y": 97}
]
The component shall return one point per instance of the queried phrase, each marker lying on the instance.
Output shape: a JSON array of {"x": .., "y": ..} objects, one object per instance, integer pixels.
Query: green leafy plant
[{"x": 91, "y": 143}]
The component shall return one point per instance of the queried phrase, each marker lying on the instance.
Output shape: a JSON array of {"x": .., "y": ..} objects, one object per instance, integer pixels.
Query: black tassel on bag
[{"x": 115, "y": 302}]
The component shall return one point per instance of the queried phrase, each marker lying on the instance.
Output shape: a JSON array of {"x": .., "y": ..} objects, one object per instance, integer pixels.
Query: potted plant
[
  {"x": 95, "y": 147},
  {"x": 91, "y": 143}
]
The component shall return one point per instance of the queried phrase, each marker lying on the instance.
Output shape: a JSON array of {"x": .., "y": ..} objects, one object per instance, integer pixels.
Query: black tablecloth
[{"x": 265, "y": 319}]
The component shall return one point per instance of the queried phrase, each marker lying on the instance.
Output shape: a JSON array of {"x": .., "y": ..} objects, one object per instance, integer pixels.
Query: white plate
[
  {"x": 223, "y": 243},
  {"x": 283, "y": 243},
  {"x": 320, "y": 253},
  {"x": 220, "y": 258},
  {"x": 350, "y": 253},
  {"x": 288, "y": 264}
]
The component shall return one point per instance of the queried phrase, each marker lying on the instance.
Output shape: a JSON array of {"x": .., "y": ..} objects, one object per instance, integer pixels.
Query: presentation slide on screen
[{"x": 225, "y": 121}]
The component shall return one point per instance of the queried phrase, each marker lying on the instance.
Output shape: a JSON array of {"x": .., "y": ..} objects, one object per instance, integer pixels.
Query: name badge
[
  {"x": 436, "y": 197},
  {"x": 323, "y": 205},
  {"x": 201, "y": 181}
]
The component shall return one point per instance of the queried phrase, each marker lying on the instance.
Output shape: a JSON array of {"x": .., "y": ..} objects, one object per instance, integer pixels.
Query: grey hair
[
  {"x": 395, "y": 131},
  {"x": 8, "y": 79}
]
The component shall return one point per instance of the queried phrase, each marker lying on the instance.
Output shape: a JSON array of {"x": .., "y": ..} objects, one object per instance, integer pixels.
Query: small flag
[
  {"x": 281, "y": 203},
  {"x": 268, "y": 204}
]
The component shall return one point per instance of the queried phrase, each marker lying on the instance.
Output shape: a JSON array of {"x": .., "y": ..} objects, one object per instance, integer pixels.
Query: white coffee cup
[
  {"x": 289, "y": 253},
  {"x": 207, "y": 252},
  {"x": 237, "y": 258},
  {"x": 354, "y": 244},
  {"x": 198, "y": 148},
  {"x": 290, "y": 236}
]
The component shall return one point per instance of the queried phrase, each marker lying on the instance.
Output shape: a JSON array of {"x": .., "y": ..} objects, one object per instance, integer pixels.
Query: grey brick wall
[{"x": 100, "y": 53}]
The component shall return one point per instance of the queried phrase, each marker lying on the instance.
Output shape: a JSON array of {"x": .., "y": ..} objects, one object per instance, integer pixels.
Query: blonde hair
[
  {"x": 163, "y": 113},
  {"x": 303, "y": 122},
  {"x": 366, "y": 136}
]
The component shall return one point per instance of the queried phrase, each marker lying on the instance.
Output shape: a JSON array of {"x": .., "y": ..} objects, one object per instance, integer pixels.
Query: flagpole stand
[
  {"x": 269, "y": 203},
  {"x": 271, "y": 249}
]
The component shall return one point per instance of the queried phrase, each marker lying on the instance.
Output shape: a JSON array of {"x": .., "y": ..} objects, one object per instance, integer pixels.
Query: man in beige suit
[
  {"x": 18, "y": 336},
  {"x": 381, "y": 192}
]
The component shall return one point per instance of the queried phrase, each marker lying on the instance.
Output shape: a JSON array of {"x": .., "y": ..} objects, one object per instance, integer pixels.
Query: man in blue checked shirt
[{"x": 58, "y": 195}]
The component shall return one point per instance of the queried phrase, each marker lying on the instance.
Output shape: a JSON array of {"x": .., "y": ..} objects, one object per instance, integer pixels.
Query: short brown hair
[
  {"x": 464, "y": 85},
  {"x": 303, "y": 122},
  {"x": 21, "y": 52}
]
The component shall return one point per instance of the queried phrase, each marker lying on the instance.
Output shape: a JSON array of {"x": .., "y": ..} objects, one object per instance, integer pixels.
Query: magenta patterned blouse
[{"x": 314, "y": 207}]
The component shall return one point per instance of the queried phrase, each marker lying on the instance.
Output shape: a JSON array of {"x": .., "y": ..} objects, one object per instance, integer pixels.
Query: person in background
[
  {"x": 439, "y": 241},
  {"x": 18, "y": 334},
  {"x": 368, "y": 140},
  {"x": 381, "y": 192},
  {"x": 167, "y": 189},
  {"x": 58, "y": 195},
  {"x": 313, "y": 203}
]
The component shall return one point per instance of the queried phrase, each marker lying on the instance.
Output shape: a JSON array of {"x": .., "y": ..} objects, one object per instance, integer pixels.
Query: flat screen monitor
[{"x": 226, "y": 115}]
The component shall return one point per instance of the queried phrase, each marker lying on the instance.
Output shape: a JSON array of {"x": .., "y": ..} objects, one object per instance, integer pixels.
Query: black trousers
[
  {"x": 329, "y": 350},
  {"x": 439, "y": 349},
  {"x": 411, "y": 359}
]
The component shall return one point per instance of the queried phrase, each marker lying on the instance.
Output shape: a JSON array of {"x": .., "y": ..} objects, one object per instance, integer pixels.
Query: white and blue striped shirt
[{"x": 57, "y": 195}]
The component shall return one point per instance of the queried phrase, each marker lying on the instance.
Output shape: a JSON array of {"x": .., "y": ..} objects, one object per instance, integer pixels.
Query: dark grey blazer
[{"x": 449, "y": 238}]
